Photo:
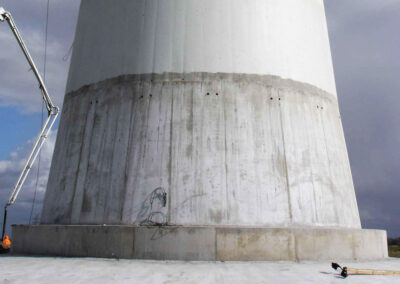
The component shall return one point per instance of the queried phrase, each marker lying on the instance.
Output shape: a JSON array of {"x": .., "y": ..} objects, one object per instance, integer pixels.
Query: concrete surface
[
  {"x": 200, "y": 243},
  {"x": 88, "y": 270},
  {"x": 204, "y": 113},
  {"x": 227, "y": 149},
  {"x": 285, "y": 38}
]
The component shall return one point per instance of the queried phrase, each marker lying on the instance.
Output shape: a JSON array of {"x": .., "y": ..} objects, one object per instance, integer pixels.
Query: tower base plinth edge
[{"x": 207, "y": 243}]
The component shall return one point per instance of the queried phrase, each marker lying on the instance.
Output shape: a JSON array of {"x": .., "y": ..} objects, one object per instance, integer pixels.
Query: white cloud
[{"x": 10, "y": 170}]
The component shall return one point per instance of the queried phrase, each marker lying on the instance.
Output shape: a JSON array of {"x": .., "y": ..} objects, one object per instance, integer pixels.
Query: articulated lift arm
[{"x": 52, "y": 113}]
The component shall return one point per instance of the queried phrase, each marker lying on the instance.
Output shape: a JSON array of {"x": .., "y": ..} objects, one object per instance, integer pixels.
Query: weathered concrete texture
[
  {"x": 200, "y": 243},
  {"x": 227, "y": 149}
]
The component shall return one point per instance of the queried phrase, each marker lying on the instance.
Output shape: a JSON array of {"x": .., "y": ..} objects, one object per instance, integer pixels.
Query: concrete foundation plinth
[{"x": 200, "y": 243}]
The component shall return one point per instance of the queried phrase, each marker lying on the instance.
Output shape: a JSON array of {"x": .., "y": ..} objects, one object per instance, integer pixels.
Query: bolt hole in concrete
[
  {"x": 208, "y": 94},
  {"x": 271, "y": 99},
  {"x": 216, "y": 94}
]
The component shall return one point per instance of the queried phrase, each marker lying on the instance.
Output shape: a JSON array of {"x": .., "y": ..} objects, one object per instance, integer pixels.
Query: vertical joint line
[{"x": 286, "y": 167}]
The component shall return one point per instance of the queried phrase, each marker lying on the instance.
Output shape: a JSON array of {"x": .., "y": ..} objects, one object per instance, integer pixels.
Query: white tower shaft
[{"x": 226, "y": 110}]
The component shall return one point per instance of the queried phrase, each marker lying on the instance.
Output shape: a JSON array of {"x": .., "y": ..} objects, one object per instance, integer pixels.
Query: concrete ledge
[{"x": 199, "y": 243}]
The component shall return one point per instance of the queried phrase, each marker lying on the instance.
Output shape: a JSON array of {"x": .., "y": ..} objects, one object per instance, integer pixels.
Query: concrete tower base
[
  {"x": 218, "y": 119},
  {"x": 200, "y": 243},
  {"x": 227, "y": 149}
]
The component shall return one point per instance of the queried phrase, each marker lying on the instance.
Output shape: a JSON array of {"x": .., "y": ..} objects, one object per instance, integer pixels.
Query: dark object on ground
[
  {"x": 352, "y": 271},
  {"x": 344, "y": 269},
  {"x": 4, "y": 248}
]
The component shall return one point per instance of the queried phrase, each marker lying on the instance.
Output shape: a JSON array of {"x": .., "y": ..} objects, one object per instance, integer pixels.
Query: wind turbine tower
[{"x": 201, "y": 130}]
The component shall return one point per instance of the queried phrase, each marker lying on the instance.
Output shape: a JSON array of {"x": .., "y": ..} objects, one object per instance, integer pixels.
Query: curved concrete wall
[
  {"x": 227, "y": 107},
  {"x": 286, "y": 38}
]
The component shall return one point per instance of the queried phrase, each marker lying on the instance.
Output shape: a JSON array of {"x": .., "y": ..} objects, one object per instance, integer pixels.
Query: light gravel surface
[{"x": 90, "y": 270}]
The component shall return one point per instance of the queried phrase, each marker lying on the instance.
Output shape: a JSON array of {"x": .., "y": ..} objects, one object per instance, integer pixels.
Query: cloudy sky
[{"x": 365, "y": 40}]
